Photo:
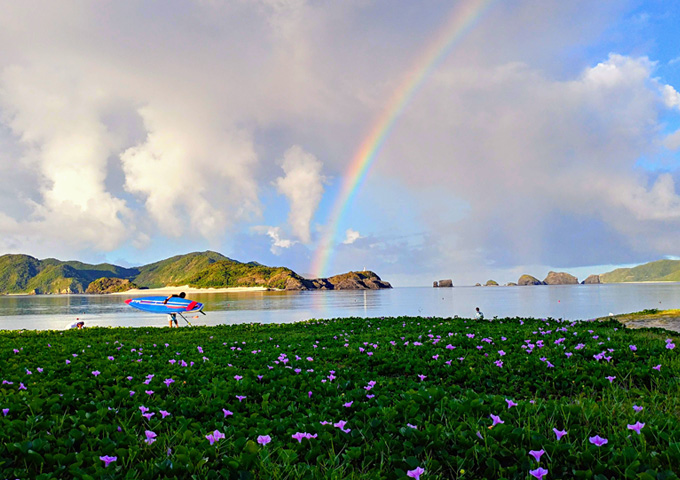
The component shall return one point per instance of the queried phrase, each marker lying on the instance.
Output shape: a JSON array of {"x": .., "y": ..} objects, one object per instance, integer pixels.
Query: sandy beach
[{"x": 190, "y": 290}]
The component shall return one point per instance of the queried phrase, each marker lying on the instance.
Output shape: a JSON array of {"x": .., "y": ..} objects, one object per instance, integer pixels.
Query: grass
[{"x": 414, "y": 393}]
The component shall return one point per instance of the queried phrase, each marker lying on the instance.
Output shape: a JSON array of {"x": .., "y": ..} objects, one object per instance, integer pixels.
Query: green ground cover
[{"x": 404, "y": 397}]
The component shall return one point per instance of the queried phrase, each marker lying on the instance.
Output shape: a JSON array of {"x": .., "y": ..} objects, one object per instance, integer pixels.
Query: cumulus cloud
[
  {"x": 671, "y": 96},
  {"x": 521, "y": 147},
  {"x": 276, "y": 235},
  {"x": 303, "y": 186},
  {"x": 351, "y": 236}
]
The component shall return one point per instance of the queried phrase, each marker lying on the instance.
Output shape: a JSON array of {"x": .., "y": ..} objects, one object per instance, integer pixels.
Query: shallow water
[{"x": 565, "y": 301}]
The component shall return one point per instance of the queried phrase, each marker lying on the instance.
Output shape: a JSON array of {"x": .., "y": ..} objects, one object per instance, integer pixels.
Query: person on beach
[
  {"x": 181, "y": 295},
  {"x": 77, "y": 324},
  {"x": 172, "y": 317},
  {"x": 479, "y": 315}
]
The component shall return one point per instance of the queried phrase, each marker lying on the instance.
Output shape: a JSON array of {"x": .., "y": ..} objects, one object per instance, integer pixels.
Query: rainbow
[{"x": 464, "y": 16}]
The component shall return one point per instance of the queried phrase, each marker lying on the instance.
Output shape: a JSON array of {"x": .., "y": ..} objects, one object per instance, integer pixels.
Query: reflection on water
[{"x": 567, "y": 301}]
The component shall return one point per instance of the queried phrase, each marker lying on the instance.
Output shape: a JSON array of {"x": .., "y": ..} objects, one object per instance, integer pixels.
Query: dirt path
[{"x": 668, "y": 319}]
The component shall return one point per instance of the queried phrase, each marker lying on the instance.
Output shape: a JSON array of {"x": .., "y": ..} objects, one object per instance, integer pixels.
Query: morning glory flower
[
  {"x": 657, "y": 368},
  {"x": 150, "y": 436},
  {"x": 637, "y": 426},
  {"x": 5, "y": 411},
  {"x": 633, "y": 348},
  {"x": 264, "y": 439},
  {"x": 637, "y": 409},
  {"x": 348, "y": 404},
  {"x": 415, "y": 473},
  {"x": 168, "y": 381},
  {"x": 237, "y": 377},
  {"x": 148, "y": 415},
  {"x": 559, "y": 433},
  {"x": 106, "y": 459},
  {"x": 537, "y": 454},
  {"x": 412, "y": 426},
  {"x": 241, "y": 397},
  {"x": 422, "y": 377},
  {"x": 597, "y": 440},
  {"x": 165, "y": 413},
  {"x": 610, "y": 378},
  {"x": 496, "y": 420},
  {"x": 539, "y": 473},
  {"x": 511, "y": 403},
  {"x": 299, "y": 436},
  {"x": 227, "y": 412}
]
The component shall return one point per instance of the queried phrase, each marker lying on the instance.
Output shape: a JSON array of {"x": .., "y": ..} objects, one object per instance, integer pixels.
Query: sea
[{"x": 569, "y": 302}]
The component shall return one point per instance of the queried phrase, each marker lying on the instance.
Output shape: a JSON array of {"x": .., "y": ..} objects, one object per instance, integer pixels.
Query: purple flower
[
  {"x": 200, "y": 350},
  {"x": 149, "y": 392},
  {"x": 240, "y": 397},
  {"x": 5, "y": 411},
  {"x": 299, "y": 436},
  {"x": 597, "y": 440},
  {"x": 165, "y": 413},
  {"x": 40, "y": 370},
  {"x": 211, "y": 438},
  {"x": 657, "y": 368},
  {"x": 511, "y": 403},
  {"x": 412, "y": 426},
  {"x": 150, "y": 436},
  {"x": 237, "y": 377},
  {"x": 143, "y": 409},
  {"x": 539, "y": 473},
  {"x": 415, "y": 473},
  {"x": 670, "y": 346},
  {"x": 637, "y": 426},
  {"x": 106, "y": 459},
  {"x": 96, "y": 373},
  {"x": 22, "y": 386},
  {"x": 348, "y": 404},
  {"x": 632, "y": 347},
  {"x": 637, "y": 409},
  {"x": 610, "y": 378},
  {"x": 422, "y": 377},
  {"x": 559, "y": 433},
  {"x": 264, "y": 439},
  {"x": 537, "y": 454},
  {"x": 148, "y": 415},
  {"x": 110, "y": 358},
  {"x": 227, "y": 412},
  {"x": 168, "y": 381},
  {"x": 132, "y": 392},
  {"x": 496, "y": 420}
]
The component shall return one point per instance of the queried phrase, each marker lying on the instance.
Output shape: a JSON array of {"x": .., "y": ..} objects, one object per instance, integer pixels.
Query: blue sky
[{"x": 548, "y": 139}]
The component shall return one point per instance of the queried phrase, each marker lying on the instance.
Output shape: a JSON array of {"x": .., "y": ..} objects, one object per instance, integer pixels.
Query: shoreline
[{"x": 191, "y": 290}]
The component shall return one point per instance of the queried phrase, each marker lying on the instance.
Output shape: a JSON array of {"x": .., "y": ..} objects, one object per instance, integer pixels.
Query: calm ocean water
[{"x": 575, "y": 302}]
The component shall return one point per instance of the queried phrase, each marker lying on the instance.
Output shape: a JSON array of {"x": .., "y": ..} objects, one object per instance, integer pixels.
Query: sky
[{"x": 468, "y": 139}]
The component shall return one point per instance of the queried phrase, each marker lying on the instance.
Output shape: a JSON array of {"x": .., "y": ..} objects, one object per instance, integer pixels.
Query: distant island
[
  {"x": 23, "y": 274},
  {"x": 657, "y": 271}
]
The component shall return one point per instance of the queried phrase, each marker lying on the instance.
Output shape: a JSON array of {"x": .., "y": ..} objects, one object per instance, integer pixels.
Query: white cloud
[
  {"x": 672, "y": 141},
  {"x": 303, "y": 186},
  {"x": 351, "y": 236},
  {"x": 276, "y": 234},
  {"x": 671, "y": 96}
]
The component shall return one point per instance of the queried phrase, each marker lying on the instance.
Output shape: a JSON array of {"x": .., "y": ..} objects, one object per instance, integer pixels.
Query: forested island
[{"x": 23, "y": 274}]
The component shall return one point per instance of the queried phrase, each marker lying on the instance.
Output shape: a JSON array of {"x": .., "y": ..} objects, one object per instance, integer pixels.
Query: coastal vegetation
[
  {"x": 406, "y": 397},
  {"x": 25, "y": 274}
]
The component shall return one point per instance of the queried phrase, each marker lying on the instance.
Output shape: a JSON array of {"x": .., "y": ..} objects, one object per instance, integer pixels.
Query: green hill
[
  {"x": 25, "y": 274},
  {"x": 177, "y": 270},
  {"x": 659, "y": 271}
]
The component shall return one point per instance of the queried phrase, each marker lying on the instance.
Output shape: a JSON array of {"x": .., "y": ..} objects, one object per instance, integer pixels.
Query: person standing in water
[{"x": 172, "y": 317}]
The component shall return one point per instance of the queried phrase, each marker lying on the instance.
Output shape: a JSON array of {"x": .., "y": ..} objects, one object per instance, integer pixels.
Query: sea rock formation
[
  {"x": 491, "y": 283},
  {"x": 444, "y": 283},
  {"x": 592, "y": 280},
  {"x": 560, "y": 278},
  {"x": 365, "y": 280},
  {"x": 529, "y": 280},
  {"x": 511, "y": 284}
]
